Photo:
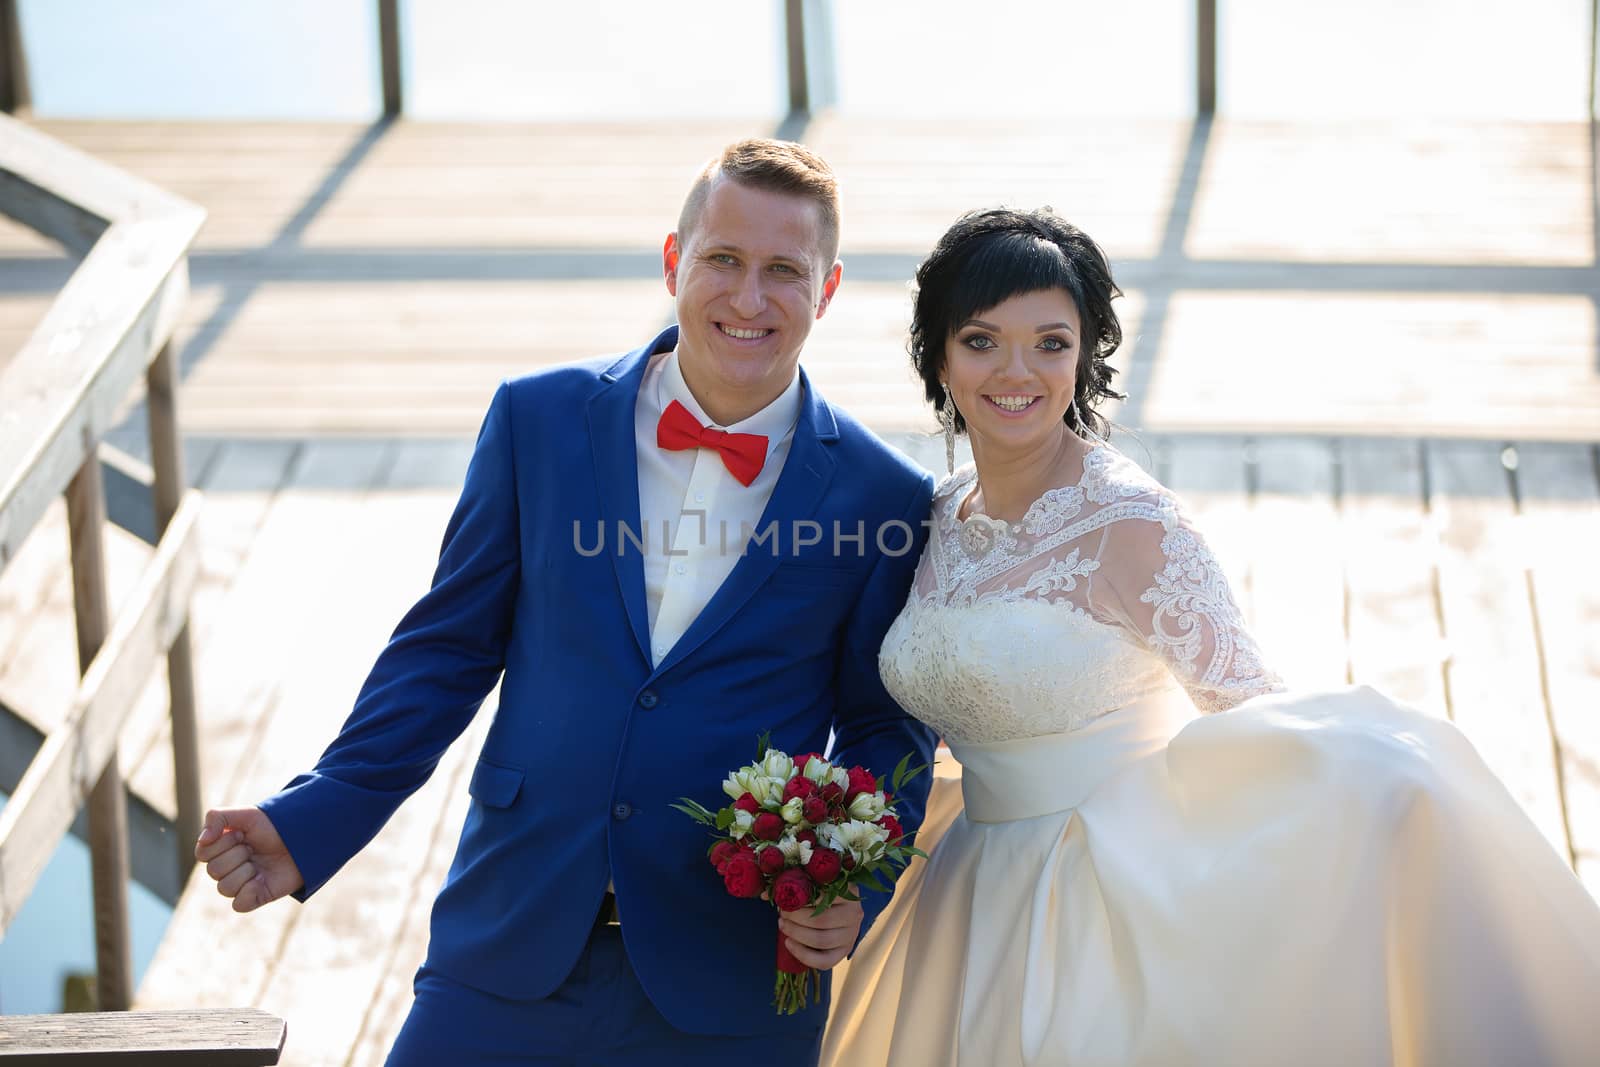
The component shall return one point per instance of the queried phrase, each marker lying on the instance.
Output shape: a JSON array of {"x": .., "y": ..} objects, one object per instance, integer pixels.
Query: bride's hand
[{"x": 820, "y": 941}]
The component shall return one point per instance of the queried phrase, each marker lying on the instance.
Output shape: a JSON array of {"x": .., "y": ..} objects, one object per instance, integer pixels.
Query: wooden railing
[{"x": 111, "y": 325}]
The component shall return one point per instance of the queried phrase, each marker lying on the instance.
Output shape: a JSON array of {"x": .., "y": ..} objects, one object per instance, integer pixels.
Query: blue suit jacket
[{"x": 590, "y": 744}]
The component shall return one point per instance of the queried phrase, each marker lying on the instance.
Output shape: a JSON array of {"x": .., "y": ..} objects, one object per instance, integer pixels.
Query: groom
[{"x": 659, "y": 557}]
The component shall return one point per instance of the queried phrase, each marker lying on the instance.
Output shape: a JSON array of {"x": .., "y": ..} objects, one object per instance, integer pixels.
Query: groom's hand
[{"x": 821, "y": 941}]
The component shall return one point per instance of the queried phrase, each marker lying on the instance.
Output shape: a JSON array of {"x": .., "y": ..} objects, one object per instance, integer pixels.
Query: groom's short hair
[{"x": 775, "y": 167}]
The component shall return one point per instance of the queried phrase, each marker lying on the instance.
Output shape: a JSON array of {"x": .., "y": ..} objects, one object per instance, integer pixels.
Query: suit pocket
[
  {"x": 495, "y": 786},
  {"x": 813, "y": 574}
]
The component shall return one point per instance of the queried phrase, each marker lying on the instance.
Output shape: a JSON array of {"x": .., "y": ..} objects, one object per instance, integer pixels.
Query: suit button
[
  {"x": 621, "y": 812},
  {"x": 647, "y": 699}
]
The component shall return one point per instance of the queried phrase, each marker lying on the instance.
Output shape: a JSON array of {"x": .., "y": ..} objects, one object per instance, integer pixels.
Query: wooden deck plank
[
  {"x": 1390, "y": 550},
  {"x": 1560, "y": 507},
  {"x": 1297, "y": 563},
  {"x": 1475, "y": 366},
  {"x": 1363, "y": 191},
  {"x": 1492, "y": 670}
]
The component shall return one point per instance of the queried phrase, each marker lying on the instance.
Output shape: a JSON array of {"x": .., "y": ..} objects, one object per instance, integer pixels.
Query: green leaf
[
  {"x": 724, "y": 818},
  {"x": 902, "y": 776},
  {"x": 763, "y": 742},
  {"x": 868, "y": 879},
  {"x": 695, "y": 812}
]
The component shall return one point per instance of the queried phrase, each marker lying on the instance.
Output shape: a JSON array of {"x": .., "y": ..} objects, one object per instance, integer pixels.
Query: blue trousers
[{"x": 599, "y": 1017}]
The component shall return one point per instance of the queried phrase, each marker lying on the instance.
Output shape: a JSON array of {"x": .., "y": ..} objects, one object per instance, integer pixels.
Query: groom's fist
[
  {"x": 820, "y": 941},
  {"x": 247, "y": 859}
]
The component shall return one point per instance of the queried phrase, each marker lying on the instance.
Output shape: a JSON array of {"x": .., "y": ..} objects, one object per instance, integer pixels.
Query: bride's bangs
[{"x": 1004, "y": 265}]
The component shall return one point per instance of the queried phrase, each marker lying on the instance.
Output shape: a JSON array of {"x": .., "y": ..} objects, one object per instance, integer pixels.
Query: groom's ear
[
  {"x": 669, "y": 263},
  {"x": 830, "y": 285}
]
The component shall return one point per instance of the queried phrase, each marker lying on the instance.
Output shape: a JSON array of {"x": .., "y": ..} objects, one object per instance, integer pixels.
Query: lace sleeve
[{"x": 1169, "y": 589}]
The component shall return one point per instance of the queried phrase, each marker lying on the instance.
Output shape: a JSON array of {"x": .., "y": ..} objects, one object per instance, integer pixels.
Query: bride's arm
[{"x": 1159, "y": 579}]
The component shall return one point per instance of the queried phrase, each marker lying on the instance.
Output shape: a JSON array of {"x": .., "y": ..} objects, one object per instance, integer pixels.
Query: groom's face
[{"x": 750, "y": 279}]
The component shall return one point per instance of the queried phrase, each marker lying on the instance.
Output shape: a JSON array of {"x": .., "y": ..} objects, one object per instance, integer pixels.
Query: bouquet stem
[{"x": 796, "y": 982}]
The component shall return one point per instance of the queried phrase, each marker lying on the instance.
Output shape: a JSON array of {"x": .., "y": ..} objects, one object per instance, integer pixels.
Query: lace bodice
[{"x": 1102, "y": 594}]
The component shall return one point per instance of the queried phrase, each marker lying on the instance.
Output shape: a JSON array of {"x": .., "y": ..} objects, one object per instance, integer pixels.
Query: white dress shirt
[{"x": 696, "y": 516}]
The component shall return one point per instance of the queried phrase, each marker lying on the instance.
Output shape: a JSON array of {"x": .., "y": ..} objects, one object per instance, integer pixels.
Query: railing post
[
  {"x": 1205, "y": 39},
  {"x": 389, "y": 55},
  {"x": 108, "y": 803},
  {"x": 14, "y": 96},
  {"x": 795, "y": 40},
  {"x": 166, "y": 454}
]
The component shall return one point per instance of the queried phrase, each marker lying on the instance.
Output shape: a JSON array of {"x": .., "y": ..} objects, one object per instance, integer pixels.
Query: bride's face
[{"x": 1012, "y": 368}]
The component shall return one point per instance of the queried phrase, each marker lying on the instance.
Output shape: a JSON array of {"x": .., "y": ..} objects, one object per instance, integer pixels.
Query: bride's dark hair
[{"x": 988, "y": 257}]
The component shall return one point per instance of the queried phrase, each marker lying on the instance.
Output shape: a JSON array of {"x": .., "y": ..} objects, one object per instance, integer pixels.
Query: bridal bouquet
[{"x": 803, "y": 832}]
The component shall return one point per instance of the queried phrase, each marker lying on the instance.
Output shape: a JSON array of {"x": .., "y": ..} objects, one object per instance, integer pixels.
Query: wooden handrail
[
  {"x": 112, "y": 323},
  {"x": 58, "y": 780},
  {"x": 242, "y": 1037}
]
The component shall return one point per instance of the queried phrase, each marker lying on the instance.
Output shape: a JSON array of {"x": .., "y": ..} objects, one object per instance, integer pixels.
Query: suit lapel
[
  {"x": 807, "y": 473},
  {"x": 616, "y": 470}
]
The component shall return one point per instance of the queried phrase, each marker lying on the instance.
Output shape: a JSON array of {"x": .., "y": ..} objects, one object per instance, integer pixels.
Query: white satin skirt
[{"x": 1307, "y": 879}]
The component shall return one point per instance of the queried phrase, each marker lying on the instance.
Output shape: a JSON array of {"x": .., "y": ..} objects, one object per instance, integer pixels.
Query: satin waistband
[{"x": 1035, "y": 776}]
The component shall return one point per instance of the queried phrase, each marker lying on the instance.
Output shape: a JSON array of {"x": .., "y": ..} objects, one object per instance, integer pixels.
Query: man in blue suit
[{"x": 659, "y": 557}]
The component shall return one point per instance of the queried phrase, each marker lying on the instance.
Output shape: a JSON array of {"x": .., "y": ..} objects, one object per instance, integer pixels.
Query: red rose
[
  {"x": 792, "y": 890},
  {"x": 771, "y": 860},
  {"x": 742, "y": 876},
  {"x": 825, "y": 865},
  {"x": 849, "y": 862},
  {"x": 798, "y": 786},
  {"x": 748, "y": 803},
  {"x": 892, "y": 824},
  {"x": 816, "y": 810},
  {"x": 861, "y": 781},
  {"x": 721, "y": 853},
  {"x": 833, "y": 794},
  {"x": 808, "y": 835},
  {"x": 768, "y": 827}
]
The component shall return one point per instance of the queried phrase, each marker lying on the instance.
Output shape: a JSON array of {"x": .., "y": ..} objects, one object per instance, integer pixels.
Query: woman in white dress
[{"x": 1119, "y": 878}]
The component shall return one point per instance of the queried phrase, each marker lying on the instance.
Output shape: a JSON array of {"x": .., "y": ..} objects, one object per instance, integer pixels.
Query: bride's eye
[
  {"x": 978, "y": 342},
  {"x": 1055, "y": 344}
]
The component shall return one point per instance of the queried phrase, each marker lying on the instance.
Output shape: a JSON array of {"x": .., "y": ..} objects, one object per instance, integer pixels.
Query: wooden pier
[{"x": 1368, "y": 357}]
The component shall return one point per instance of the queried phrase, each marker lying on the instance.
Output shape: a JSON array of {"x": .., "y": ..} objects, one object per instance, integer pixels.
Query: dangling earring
[{"x": 947, "y": 420}]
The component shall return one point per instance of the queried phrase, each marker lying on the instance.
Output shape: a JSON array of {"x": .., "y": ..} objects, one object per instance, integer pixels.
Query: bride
[{"x": 1319, "y": 878}]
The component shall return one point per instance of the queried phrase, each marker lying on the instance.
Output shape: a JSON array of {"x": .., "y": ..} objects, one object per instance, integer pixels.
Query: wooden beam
[
  {"x": 70, "y": 196},
  {"x": 108, "y": 806},
  {"x": 166, "y": 452},
  {"x": 1205, "y": 40},
  {"x": 794, "y": 20},
  {"x": 14, "y": 94},
  {"x": 59, "y": 778},
  {"x": 63, "y": 390},
  {"x": 241, "y": 1037},
  {"x": 389, "y": 56}
]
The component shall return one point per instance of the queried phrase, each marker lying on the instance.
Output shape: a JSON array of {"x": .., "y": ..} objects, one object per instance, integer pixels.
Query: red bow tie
[{"x": 743, "y": 454}]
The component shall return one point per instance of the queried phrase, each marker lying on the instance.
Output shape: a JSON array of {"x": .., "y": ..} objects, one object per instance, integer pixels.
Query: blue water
[
  {"x": 54, "y": 934},
  {"x": 509, "y": 59}
]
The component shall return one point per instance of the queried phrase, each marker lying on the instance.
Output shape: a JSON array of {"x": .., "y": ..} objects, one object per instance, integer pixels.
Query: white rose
[
  {"x": 817, "y": 769},
  {"x": 742, "y": 822},
  {"x": 866, "y": 806},
  {"x": 793, "y": 810},
  {"x": 840, "y": 777},
  {"x": 777, "y": 765}
]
